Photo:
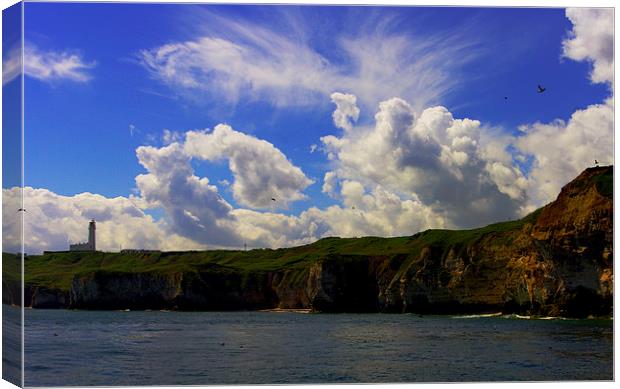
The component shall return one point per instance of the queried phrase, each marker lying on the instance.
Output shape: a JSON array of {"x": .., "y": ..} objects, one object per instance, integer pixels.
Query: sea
[{"x": 84, "y": 348}]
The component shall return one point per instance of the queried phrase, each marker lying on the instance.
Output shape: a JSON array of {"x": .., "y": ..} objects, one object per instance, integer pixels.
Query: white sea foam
[{"x": 478, "y": 315}]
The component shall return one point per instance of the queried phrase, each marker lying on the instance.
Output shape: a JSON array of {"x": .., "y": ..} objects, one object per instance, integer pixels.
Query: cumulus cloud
[
  {"x": 592, "y": 40},
  {"x": 330, "y": 180},
  {"x": 261, "y": 172},
  {"x": 346, "y": 111},
  {"x": 406, "y": 173},
  {"x": 230, "y": 61},
  {"x": 376, "y": 213},
  {"x": 434, "y": 159},
  {"x": 561, "y": 150},
  {"x": 119, "y": 223},
  {"x": 193, "y": 206},
  {"x": 258, "y": 167}
]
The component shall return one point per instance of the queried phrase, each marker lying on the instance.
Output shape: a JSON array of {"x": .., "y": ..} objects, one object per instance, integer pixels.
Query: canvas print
[{"x": 206, "y": 194}]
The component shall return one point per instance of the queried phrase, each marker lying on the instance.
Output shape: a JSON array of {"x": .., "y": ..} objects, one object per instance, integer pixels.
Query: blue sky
[
  {"x": 78, "y": 134},
  {"x": 83, "y": 128}
]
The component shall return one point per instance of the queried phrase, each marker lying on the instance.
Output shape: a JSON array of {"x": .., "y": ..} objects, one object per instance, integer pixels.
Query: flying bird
[
  {"x": 272, "y": 199},
  {"x": 541, "y": 89},
  {"x": 21, "y": 210},
  {"x": 505, "y": 97}
]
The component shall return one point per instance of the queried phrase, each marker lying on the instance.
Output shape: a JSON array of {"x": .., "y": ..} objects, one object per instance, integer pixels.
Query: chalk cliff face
[{"x": 557, "y": 262}]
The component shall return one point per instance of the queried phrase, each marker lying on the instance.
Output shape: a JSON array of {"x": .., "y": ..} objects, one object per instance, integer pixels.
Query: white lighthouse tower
[
  {"x": 91, "y": 234},
  {"x": 90, "y": 245}
]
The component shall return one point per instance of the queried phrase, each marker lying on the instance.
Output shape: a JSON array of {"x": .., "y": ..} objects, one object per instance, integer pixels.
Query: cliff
[{"x": 557, "y": 261}]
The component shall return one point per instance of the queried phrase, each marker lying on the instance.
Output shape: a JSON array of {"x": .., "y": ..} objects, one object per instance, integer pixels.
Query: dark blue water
[{"x": 175, "y": 348}]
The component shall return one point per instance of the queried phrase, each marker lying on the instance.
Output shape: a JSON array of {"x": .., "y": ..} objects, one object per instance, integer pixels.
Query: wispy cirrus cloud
[
  {"x": 229, "y": 61},
  {"x": 56, "y": 65},
  {"x": 11, "y": 65},
  {"x": 46, "y": 65}
]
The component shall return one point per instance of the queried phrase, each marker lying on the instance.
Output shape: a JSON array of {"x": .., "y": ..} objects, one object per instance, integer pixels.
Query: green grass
[
  {"x": 605, "y": 183},
  {"x": 56, "y": 270},
  {"x": 11, "y": 267}
]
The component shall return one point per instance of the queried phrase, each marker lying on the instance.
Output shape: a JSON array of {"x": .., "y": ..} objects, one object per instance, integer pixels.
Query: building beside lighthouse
[{"x": 90, "y": 245}]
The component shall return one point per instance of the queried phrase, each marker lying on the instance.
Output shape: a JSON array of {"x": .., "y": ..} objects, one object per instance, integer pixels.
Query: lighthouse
[
  {"x": 90, "y": 245},
  {"x": 91, "y": 234}
]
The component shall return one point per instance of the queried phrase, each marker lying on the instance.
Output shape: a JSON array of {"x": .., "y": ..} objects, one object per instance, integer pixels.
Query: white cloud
[
  {"x": 196, "y": 216},
  {"x": 376, "y": 213},
  {"x": 448, "y": 165},
  {"x": 171, "y": 136},
  {"x": 229, "y": 61},
  {"x": 561, "y": 150},
  {"x": 592, "y": 39},
  {"x": 329, "y": 183},
  {"x": 405, "y": 174},
  {"x": 416, "y": 167},
  {"x": 261, "y": 172},
  {"x": 346, "y": 110},
  {"x": 119, "y": 223},
  {"x": 193, "y": 207},
  {"x": 276, "y": 70},
  {"x": 11, "y": 65},
  {"x": 55, "y": 65}
]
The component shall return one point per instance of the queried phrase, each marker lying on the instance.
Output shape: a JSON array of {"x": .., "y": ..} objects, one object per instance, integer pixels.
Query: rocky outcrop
[
  {"x": 110, "y": 290},
  {"x": 43, "y": 297},
  {"x": 211, "y": 288},
  {"x": 555, "y": 262},
  {"x": 558, "y": 262}
]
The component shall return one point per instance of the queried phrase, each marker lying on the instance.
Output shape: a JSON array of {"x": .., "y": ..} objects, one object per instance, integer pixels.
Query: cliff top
[{"x": 591, "y": 190}]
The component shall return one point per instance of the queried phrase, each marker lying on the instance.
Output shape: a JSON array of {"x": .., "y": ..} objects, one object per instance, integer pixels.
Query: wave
[
  {"x": 477, "y": 316},
  {"x": 509, "y": 316},
  {"x": 530, "y": 317}
]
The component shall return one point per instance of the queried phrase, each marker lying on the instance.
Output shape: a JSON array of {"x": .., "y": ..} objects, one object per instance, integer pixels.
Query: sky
[{"x": 213, "y": 126}]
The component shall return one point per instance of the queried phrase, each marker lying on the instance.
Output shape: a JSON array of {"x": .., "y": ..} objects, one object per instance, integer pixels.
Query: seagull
[{"x": 541, "y": 89}]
